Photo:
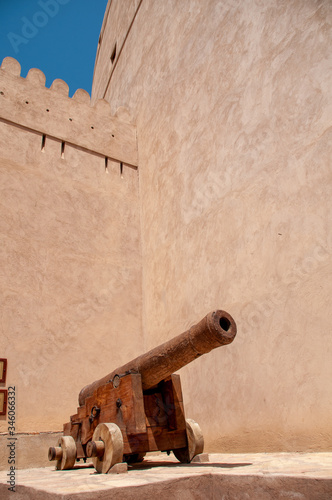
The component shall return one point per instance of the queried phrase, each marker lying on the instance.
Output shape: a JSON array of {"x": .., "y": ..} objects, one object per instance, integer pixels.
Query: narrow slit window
[
  {"x": 121, "y": 169},
  {"x": 43, "y": 143},
  {"x": 3, "y": 370},
  {"x": 113, "y": 55},
  {"x": 3, "y": 401},
  {"x": 106, "y": 165},
  {"x": 63, "y": 150}
]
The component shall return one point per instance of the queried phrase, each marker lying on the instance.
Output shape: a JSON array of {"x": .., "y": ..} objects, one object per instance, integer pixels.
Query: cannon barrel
[{"x": 216, "y": 329}]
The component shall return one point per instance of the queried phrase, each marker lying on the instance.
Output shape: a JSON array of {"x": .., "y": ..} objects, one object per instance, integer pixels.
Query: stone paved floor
[{"x": 295, "y": 476}]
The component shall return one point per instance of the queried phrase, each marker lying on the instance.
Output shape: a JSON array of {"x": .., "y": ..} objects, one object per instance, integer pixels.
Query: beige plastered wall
[
  {"x": 233, "y": 106},
  {"x": 70, "y": 255}
]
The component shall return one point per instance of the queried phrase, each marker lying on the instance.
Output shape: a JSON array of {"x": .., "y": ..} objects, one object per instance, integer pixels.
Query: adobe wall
[
  {"x": 70, "y": 254},
  {"x": 233, "y": 105}
]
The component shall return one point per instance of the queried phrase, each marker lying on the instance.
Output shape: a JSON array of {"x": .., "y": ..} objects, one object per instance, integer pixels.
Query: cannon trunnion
[{"x": 139, "y": 407}]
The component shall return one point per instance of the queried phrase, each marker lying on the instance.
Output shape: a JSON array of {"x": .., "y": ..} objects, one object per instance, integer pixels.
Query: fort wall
[
  {"x": 232, "y": 103},
  {"x": 70, "y": 253}
]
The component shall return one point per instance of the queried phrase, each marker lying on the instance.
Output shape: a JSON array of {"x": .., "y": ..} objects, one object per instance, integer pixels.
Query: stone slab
[
  {"x": 30, "y": 449},
  {"x": 267, "y": 476}
]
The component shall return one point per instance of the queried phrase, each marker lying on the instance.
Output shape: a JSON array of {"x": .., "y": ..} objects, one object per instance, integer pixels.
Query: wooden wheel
[
  {"x": 109, "y": 441},
  {"x": 64, "y": 453},
  {"x": 195, "y": 442}
]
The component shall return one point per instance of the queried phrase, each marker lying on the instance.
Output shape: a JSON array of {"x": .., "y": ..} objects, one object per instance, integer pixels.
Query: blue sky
[{"x": 60, "y": 37}]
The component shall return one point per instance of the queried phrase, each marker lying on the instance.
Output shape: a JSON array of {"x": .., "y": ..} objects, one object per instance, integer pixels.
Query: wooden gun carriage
[{"x": 139, "y": 407}]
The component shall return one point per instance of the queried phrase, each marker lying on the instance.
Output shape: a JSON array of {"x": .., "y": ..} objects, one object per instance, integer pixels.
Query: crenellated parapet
[{"x": 50, "y": 111}]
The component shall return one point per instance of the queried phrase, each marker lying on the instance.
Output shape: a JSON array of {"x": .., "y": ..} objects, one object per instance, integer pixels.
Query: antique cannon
[{"x": 138, "y": 407}]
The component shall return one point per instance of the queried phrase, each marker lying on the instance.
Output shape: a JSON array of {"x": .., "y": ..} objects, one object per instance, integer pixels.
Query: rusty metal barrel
[{"x": 216, "y": 329}]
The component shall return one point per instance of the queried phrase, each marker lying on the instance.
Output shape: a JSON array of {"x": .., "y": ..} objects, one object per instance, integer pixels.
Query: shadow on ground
[{"x": 150, "y": 465}]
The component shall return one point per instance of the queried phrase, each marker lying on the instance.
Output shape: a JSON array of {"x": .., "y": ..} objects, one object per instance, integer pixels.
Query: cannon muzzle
[{"x": 214, "y": 330}]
